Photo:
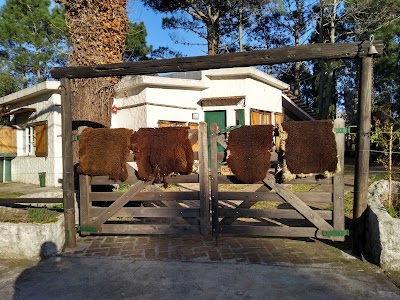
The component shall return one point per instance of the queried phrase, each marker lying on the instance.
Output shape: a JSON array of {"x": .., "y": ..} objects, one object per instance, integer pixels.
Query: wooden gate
[
  {"x": 272, "y": 209},
  {"x": 146, "y": 208}
]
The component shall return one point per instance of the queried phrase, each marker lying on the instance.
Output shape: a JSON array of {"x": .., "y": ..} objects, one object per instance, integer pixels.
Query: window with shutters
[
  {"x": 171, "y": 124},
  {"x": 35, "y": 140},
  {"x": 260, "y": 117}
]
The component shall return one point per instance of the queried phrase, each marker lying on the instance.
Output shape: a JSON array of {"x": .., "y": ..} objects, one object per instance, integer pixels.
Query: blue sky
[{"x": 156, "y": 36}]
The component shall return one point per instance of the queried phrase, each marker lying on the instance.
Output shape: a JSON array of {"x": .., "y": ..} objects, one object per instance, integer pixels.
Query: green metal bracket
[
  {"x": 335, "y": 232},
  {"x": 85, "y": 229},
  {"x": 76, "y": 137},
  {"x": 229, "y": 129},
  {"x": 341, "y": 130},
  {"x": 349, "y": 129}
]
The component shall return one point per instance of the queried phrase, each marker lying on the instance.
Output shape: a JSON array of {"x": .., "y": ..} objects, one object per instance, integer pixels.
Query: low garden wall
[
  {"x": 383, "y": 231},
  {"x": 31, "y": 240}
]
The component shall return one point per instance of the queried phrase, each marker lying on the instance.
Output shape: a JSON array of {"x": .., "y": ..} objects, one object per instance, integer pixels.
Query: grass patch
[
  {"x": 300, "y": 188},
  {"x": 392, "y": 211},
  {"x": 266, "y": 205},
  {"x": 42, "y": 215},
  {"x": 30, "y": 215},
  {"x": 232, "y": 187},
  {"x": 58, "y": 206},
  {"x": 122, "y": 188},
  {"x": 11, "y": 195},
  {"x": 348, "y": 204},
  {"x": 349, "y": 169}
]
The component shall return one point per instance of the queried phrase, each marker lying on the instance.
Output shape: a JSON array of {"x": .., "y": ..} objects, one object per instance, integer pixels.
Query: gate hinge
[{"x": 335, "y": 232}]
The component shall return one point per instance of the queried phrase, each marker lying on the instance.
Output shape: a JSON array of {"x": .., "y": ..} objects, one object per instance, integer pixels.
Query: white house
[
  {"x": 34, "y": 140},
  {"x": 229, "y": 97}
]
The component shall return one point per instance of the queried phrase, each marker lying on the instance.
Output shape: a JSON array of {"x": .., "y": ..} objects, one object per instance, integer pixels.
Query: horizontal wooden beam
[
  {"x": 30, "y": 200},
  {"x": 104, "y": 180},
  {"x": 150, "y": 212},
  {"x": 275, "y": 231},
  {"x": 228, "y": 60},
  {"x": 146, "y": 196},
  {"x": 307, "y": 197},
  {"x": 148, "y": 229},
  {"x": 271, "y": 213}
]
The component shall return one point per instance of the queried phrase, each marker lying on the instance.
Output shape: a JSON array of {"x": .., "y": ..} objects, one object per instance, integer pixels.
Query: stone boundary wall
[{"x": 382, "y": 231}]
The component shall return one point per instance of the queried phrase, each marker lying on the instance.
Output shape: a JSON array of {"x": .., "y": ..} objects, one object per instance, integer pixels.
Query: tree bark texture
[{"x": 97, "y": 33}]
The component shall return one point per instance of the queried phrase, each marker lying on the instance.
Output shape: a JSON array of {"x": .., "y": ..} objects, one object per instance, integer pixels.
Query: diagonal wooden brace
[
  {"x": 119, "y": 203},
  {"x": 298, "y": 204}
]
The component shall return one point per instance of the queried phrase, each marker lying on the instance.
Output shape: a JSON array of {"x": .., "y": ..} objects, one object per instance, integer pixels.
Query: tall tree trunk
[
  {"x": 97, "y": 31},
  {"x": 212, "y": 38},
  {"x": 321, "y": 87},
  {"x": 241, "y": 27},
  {"x": 297, "y": 67},
  {"x": 329, "y": 97}
]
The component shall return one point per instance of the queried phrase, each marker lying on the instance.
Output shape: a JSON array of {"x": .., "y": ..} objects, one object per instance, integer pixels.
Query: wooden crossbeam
[
  {"x": 243, "y": 205},
  {"x": 119, "y": 203},
  {"x": 228, "y": 60},
  {"x": 297, "y": 204}
]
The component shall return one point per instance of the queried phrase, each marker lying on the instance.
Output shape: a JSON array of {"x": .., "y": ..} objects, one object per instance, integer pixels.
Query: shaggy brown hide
[
  {"x": 104, "y": 151},
  {"x": 162, "y": 151},
  {"x": 249, "y": 152},
  {"x": 310, "y": 147}
]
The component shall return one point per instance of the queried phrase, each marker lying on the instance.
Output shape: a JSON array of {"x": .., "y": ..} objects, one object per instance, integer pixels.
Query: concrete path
[
  {"x": 25, "y": 188},
  {"x": 117, "y": 278}
]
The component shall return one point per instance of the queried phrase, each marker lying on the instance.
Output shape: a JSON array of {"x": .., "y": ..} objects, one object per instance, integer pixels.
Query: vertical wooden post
[
  {"x": 68, "y": 167},
  {"x": 84, "y": 189},
  {"x": 338, "y": 182},
  {"x": 214, "y": 177},
  {"x": 362, "y": 159},
  {"x": 203, "y": 180}
]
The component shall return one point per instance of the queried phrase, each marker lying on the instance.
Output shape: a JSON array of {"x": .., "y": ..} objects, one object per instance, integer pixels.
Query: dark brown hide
[
  {"x": 162, "y": 151},
  {"x": 310, "y": 147},
  {"x": 249, "y": 147},
  {"x": 104, "y": 151}
]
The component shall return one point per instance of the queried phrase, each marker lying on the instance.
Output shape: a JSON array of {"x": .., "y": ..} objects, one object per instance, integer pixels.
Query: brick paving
[{"x": 197, "y": 248}]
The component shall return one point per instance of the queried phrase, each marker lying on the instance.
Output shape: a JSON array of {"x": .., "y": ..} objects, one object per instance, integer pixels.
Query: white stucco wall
[
  {"x": 185, "y": 90},
  {"x": 46, "y": 99}
]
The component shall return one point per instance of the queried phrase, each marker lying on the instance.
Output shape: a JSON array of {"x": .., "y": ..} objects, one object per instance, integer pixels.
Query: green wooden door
[
  {"x": 7, "y": 169},
  {"x": 240, "y": 117},
  {"x": 218, "y": 117},
  {"x": 1, "y": 169}
]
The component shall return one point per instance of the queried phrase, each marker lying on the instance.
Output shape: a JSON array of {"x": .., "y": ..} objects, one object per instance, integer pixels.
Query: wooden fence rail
[
  {"x": 146, "y": 208},
  {"x": 274, "y": 210}
]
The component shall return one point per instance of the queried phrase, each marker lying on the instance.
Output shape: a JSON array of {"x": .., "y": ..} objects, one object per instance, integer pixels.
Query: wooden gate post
[
  {"x": 362, "y": 159},
  {"x": 68, "y": 166},
  {"x": 338, "y": 182},
  {"x": 214, "y": 177},
  {"x": 203, "y": 180}
]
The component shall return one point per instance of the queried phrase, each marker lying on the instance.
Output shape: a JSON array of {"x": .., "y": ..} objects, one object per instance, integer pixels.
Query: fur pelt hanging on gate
[
  {"x": 104, "y": 151},
  {"x": 249, "y": 152},
  {"x": 160, "y": 152},
  {"x": 309, "y": 148}
]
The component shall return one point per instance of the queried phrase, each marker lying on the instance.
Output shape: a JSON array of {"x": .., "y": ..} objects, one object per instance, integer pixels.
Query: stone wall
[{"x": 382, "y": 231}]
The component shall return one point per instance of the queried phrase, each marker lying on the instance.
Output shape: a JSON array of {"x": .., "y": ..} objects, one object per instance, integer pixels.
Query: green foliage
[
  {"x": 32, "y": 38},
  {"x": 11, "y": 195},
  {"x": 123, "y": 188},
  {"x": 392, "y": 211},
  {"x": 8, "y": 84},
  {"x": 135, "y": 43},
  {"x": 210, "y": 20},
  {"x": 42, "y": 215},
  {"x": 387, "y": 138}
]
